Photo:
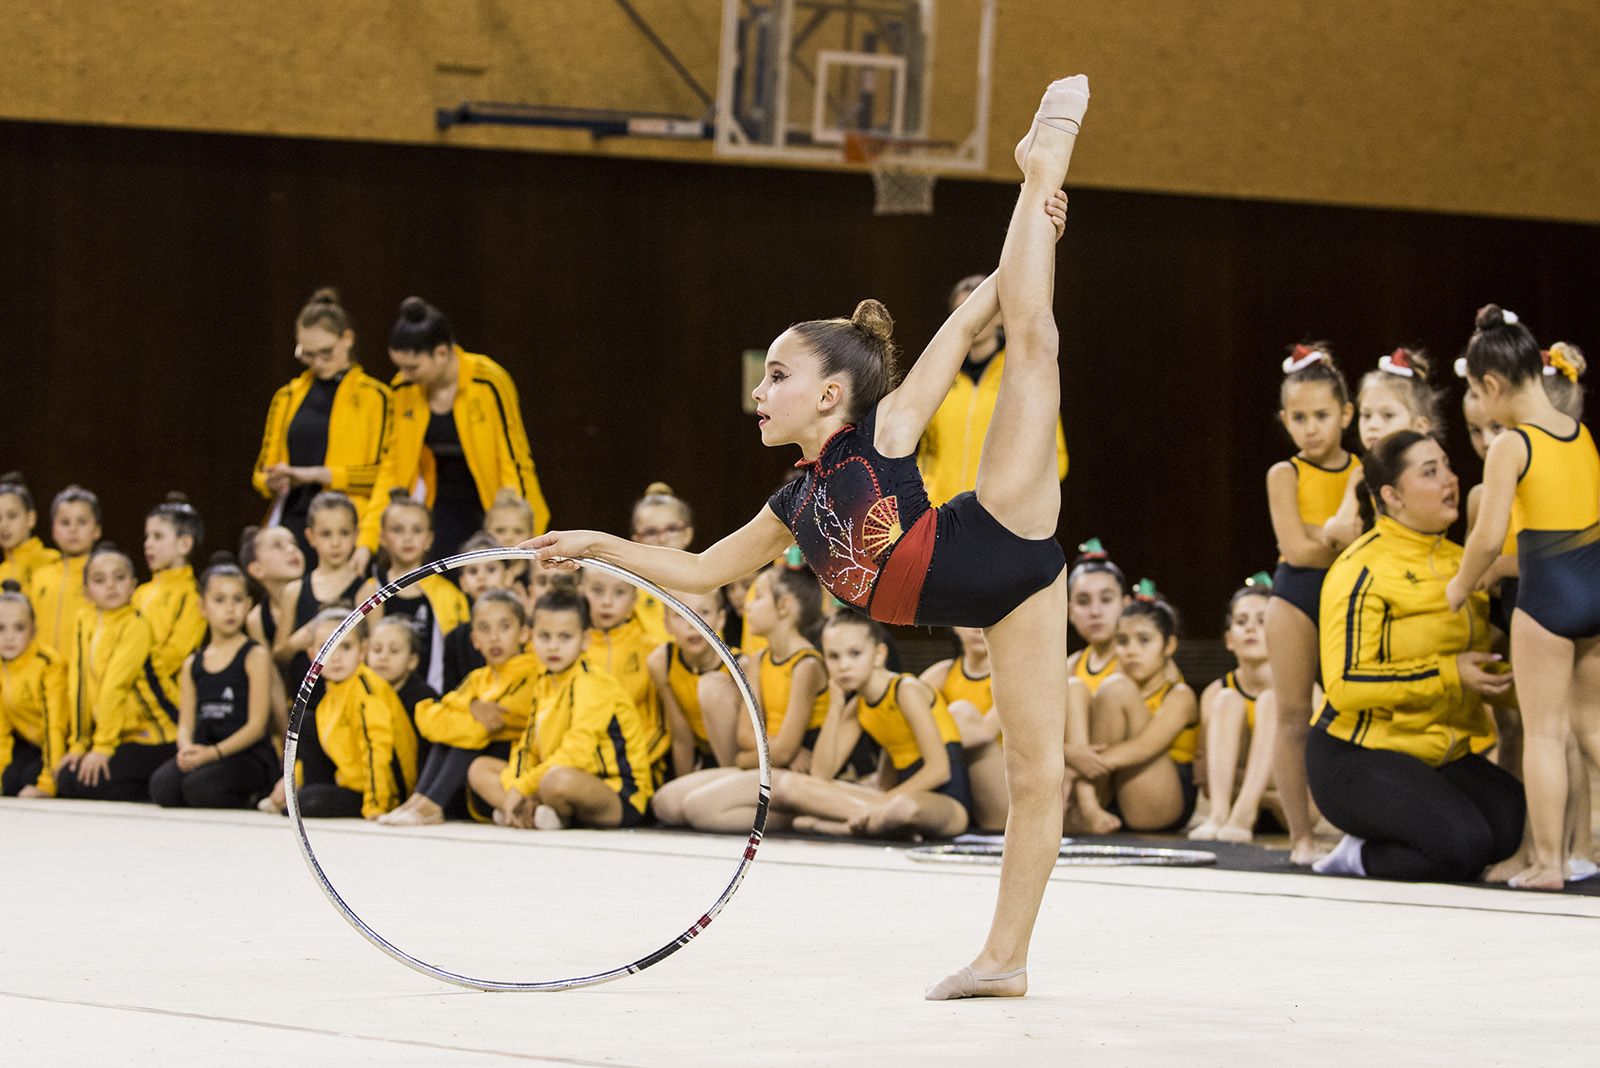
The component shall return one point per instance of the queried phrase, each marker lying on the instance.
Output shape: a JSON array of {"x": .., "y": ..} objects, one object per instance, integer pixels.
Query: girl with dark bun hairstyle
[
  {"x": 170, "y": 601},
  {"x": 458, "y": 435},
  {"x": 326, "y": 429},
  {"x": 1544, "y": 474},
  {"x": 1304, "y": 494},
  {"x": 861, "y": 517}
]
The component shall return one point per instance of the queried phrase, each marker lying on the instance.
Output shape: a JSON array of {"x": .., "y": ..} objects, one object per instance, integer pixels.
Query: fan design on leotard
[{"x": 881, "y": 528}]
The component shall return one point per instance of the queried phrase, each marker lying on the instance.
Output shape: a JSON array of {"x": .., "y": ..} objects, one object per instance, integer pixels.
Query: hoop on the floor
[
  {"x": 438, "y": 567},
  {"x": 1071, "y": 854}
]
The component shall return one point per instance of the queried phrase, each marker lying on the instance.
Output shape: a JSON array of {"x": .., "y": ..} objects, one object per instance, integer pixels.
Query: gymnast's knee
[{"x": 1033, "y": 334}]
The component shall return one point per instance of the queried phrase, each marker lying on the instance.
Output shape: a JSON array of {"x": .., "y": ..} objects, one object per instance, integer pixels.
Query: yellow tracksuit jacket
[
  {"x": 488, "y": 418},
  {"x": 1389, "y": 647},
  {"x": 624, "y": 651},
  {"x": 57, "y": 595},
  {"x": 950, "y": 447},
  {"x": 20, "y": 563},
  {"x": 112, "y": 688},
  {"x": 33, "y": 703},
  {"x": 583, "y": 719},
  {"x": 449, "y": 720},
  {"x": 364, "y": 730},
  {"x": 170, "y": 603},
  {"x": 358, "y": 429}
]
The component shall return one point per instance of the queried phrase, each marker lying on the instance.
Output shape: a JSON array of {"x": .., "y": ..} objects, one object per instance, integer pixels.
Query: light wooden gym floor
[{"x": 135, "y": 936}]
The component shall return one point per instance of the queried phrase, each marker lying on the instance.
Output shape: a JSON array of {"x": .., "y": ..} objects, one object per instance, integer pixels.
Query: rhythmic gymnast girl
[
  {"x": 923, "y": 788},
  {"x": 1546, "y": 467},
  {"x": 1238, "y": 703},
  {"x": 861, "y": 517},
  {"x": 1097, "y": 593},
  {"x": 57, "y": 588},
  {"x": 792, "y": 687},
  {"x": 1143, "y": 724},
  {"x": 966, "y": 684},
  {"x": 1304, "y": 493}
]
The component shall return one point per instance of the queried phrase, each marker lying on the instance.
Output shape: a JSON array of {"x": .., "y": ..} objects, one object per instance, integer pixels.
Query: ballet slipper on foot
[
  {"x": 1062, "y": 109},
  {"x": 1229, "y": 832},
  {"x": 967, "y": 983},
  {"x": 546, "y": 818},
  {"x": 1206, "y": 832}
]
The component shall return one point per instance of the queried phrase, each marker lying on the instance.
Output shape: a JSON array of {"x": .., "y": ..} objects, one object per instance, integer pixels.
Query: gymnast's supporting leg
[{"x": 1017, "y": 485}]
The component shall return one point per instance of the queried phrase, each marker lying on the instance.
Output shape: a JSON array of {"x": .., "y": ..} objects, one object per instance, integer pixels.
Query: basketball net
[{"x": 901, "y": 180}]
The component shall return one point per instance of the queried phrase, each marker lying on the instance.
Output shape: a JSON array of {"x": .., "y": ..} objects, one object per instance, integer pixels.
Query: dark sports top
[
  {"x": 850, "y": 510},
  {"x": 221, "y": 699},
  {"x": 308, "y": 440},
  {"x": 457, "y": 509}
]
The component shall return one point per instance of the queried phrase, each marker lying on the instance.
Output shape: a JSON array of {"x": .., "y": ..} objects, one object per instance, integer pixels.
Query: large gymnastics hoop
[
  {"x": 438, "y": 567},
  {"x": 1071, "y": 854}
]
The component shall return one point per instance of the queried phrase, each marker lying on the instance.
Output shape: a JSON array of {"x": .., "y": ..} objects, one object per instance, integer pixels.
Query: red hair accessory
[
  {"x": 1301, "y": 357},
  {"x": 1397, "y": 362}
]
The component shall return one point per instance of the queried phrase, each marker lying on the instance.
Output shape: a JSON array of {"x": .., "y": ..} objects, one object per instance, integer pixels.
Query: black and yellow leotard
[
  {"x": 1318, "y": 492},
  {"x": 1558, "y": 546}
]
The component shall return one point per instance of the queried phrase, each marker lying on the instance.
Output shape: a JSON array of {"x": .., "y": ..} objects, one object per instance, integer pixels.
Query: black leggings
[
  {"x": 128, "y": 776},
  {"x": 326, "y": 800},
  {"x": 27, "y": 763},
  {"x": 1420, "y": 823},
  {"x": 444, "y": 773},
  {"x": 232, "y": 782}
]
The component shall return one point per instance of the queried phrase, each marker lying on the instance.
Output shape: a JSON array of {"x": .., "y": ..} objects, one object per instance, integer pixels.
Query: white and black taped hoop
[{"x": 438, "y": 567}]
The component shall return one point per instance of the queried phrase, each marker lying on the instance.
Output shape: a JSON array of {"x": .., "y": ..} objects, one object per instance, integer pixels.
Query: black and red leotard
[{"x": 864, "y": 524}]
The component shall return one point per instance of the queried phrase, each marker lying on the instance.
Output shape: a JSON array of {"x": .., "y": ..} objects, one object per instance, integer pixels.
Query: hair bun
[
  {"x": 223, "y": 558},
  {"x": 399, "y": 493},
  {"x": 1573, "y": 356},
  {"x": 658, "y": 489},
  {"x": 11, "y": 586},
  {"x": 1420, "y": 362},
  {"x": 13, "y": 478},
  {"x": 414, "y": 310},
  {"x": 873, "y": 319},
  {"x": 1489, "y": 317},
  {"x": 176, "y": 497},
  {"x": 326, "y": 295}
]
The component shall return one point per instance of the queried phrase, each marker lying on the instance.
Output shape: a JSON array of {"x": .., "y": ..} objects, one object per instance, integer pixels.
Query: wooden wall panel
[{"x": 152, "y": 279}]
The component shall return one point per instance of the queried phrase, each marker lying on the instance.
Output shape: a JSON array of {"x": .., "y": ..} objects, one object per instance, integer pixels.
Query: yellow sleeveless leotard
[
  {"x": 776, "y": 678},
  {"x": 1560, "y": 488},
  {"x": 959, "y": 686},
  {"x": 1089, "y": 677},
  {"x": 1230, "y": 681},
  {"x": 685, "y": 683},
  {"x": 1187, "y": 743},
  {"x": 1320, "y": 490},
  {"x": 887, "y": 725}
]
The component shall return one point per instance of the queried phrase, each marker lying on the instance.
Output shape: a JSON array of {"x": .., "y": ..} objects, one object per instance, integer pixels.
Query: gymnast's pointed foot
[
  {"x": 967, "y": 983},
  {"x": 1061, "y": 112}
]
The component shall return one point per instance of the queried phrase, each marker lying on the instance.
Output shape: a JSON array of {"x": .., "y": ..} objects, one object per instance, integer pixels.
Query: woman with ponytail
[
  {"x": 861, "y": 517},
  {"x": 326, "y": 429},
  {"x": 458, "y": 435},
  {"x": 1394, "y": 757}
]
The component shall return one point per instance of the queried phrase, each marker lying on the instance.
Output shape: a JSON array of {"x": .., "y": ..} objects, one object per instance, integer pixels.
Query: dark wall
[{"x": 149, "y": 283}]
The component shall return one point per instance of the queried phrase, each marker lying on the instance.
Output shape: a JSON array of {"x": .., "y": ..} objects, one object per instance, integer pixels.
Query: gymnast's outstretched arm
[
  {"x": 745, "y": 551},
  {"x": 903, "y": 415}
]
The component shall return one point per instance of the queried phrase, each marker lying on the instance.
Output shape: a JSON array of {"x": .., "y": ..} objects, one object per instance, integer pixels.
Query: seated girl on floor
[
  {"x": 583, "y": 758},
  {"x": 394, "y": 652},
  {"x": 33, "y": 701},
  {"x": 923, "y": 786},
  {"x": 619, "y": 645},
  {"x": 461, "y": 657},
  {"x": 357, "y": 753},
  {"x": 434, "y": 603},
  {"x": 1229, "y": 715},
  {"x": 792, "y": 689},
  {"x": 1142, "y": 726},
  {"x": 224, "y": 758},
  {"x": 1097, "y": 592},
  {"x": 700, "y": 703},
  {"x": 485, "y": 715},
  {"x": 121, "y": 728},
  {"x": 964, "y": 683}
]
